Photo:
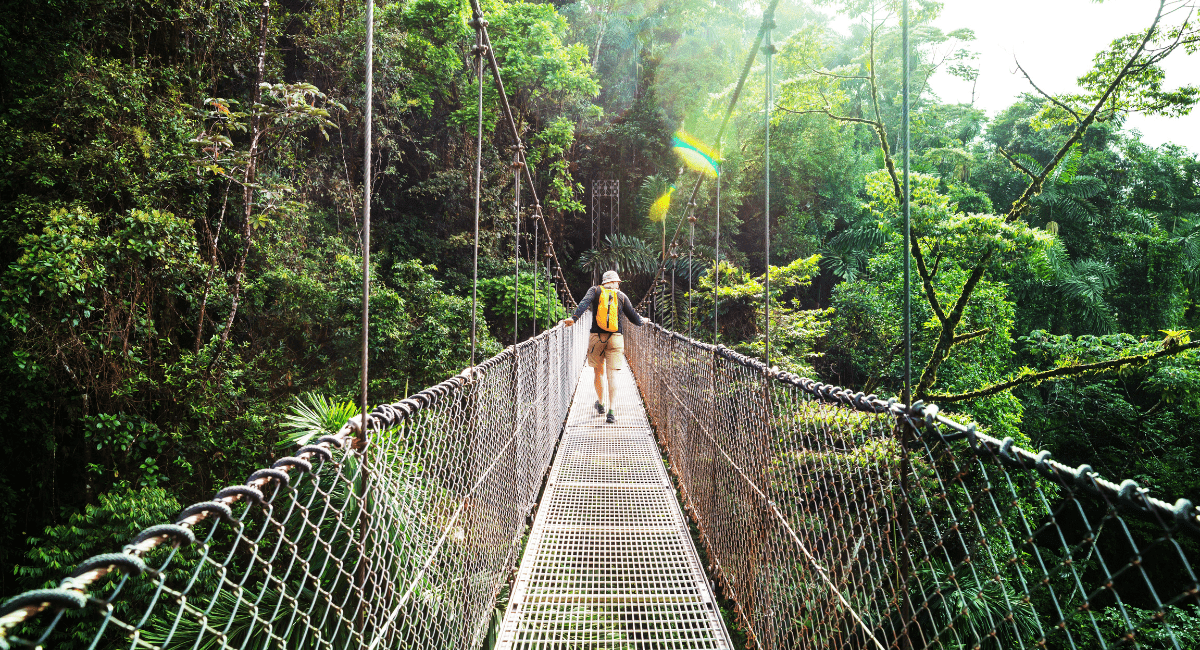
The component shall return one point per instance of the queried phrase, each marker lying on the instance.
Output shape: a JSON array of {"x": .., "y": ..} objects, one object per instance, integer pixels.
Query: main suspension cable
[
  {"x": 737, "y": 92},
  {"x": 486, "y": 45}
]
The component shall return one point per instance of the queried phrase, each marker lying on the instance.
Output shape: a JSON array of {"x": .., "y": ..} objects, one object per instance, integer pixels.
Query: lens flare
[
  {"x": 695, "y": 154},
  {"x": 658, "y": 209}
]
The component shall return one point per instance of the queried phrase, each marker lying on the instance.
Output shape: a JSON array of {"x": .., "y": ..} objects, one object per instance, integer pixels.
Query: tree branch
[
  {"x": 890, "y": 164},
  {"x": 833, "y": 75},
  {"x": 927, "y": 283},
  {"x": 1045, "y": 94},
  {"x": 1013, "y": 161},
  {"x": 946, "y": 339},
  {"x": 963, "y": 338},
  {"x": 831, "y": 114},
  {"x": 1066, "y": 371},
  {"x": 1035, "y": 186}
]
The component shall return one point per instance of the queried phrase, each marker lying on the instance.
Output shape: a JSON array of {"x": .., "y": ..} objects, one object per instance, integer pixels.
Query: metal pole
[
  {"x": 717, "y": 265},
  {"x": 516, "y": 248},
  {"x": 907, "y": 396},
  {"x": 361, "y": 577},
  {"x": 366, "y": 237},
  {"x": 769, "y": 49},
  {"x": 479, "y": 24}
]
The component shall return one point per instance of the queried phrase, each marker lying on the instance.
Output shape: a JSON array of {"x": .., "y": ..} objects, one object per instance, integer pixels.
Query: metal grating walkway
[{"x": 610, "y": 563}]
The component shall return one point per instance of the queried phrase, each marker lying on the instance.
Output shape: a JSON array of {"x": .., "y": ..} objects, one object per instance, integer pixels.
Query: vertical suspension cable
[
  {"x": 366, "y": 236},
  {"x": 691, "y": 254},
  {"x": 675, "y": 305},
  {"x": 717, "y": 262},
  {"x": 906, "y": 432},
  {"x": 533, "y": 253},
  {"x": 662, "y": 275},
  {"x": 479, "y": 23},
  {"x": 907, "y": 395},
  {"x": 769, "y": 50},
  {"x": 516, "y": 167},
  {"x": 360, "y": 578}
]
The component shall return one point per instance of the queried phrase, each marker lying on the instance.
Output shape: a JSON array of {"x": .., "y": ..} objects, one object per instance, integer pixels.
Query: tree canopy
[{"x": 181, "y": 246}]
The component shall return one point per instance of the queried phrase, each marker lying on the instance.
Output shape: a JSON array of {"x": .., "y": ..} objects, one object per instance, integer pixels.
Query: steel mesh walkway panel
[{"x": 610, "y": 562}]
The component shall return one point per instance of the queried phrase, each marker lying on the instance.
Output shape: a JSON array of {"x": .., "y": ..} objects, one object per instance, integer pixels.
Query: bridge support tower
[{"x": 606, "y": 203}]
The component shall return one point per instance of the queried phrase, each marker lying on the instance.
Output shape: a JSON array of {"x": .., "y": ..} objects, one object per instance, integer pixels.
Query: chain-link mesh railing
[
  {"x": 837, "y": 520},
  {"x": 401, "y": 542}
]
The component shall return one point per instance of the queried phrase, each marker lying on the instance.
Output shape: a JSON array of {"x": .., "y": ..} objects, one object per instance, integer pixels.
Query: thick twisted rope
[
  {"x": 485, "y": 41},
  {"x": 931, "y": 423},
  {"x": 768, "y": 19}
]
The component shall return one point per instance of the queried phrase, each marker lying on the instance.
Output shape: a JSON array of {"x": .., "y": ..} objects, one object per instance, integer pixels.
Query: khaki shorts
[{"x": 606, "y": 347}]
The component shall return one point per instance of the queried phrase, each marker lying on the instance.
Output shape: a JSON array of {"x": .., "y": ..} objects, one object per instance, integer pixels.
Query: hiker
[{"x": 606, "y": 345}]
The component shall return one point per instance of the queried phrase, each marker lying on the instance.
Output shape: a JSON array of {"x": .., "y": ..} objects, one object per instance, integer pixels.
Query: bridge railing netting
[
  {"x": 837, "y": 520},
  {"x": 404, "y": 541}
]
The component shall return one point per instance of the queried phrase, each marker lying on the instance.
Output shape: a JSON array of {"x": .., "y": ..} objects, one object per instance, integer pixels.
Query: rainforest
[{"x": 181, "y": 201}]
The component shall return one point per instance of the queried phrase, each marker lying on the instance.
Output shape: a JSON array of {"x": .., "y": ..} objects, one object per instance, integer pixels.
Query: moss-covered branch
[{"x": 1066, "y": 371}]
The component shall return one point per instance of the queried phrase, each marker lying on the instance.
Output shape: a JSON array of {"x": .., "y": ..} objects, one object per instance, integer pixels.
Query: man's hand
[{"x": 568, "y": 321}]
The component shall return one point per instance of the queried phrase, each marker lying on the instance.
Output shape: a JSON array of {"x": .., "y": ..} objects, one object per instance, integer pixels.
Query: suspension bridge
[
  {"x": 825, "y": 519},
  {"x": 495, "y": 509}
]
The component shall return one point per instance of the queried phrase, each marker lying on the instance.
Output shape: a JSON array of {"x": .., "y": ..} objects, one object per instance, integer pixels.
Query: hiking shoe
[
  {"x": 599, "y": 408},
  {"x": 612, "y": 418}
]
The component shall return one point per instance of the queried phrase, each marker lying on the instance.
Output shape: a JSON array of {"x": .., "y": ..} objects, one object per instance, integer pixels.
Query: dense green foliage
[{"x": 180, "y": 200}]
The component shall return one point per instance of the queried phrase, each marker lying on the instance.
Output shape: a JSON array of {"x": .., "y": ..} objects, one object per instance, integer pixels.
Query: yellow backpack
[{"x": 608, "y": 309}]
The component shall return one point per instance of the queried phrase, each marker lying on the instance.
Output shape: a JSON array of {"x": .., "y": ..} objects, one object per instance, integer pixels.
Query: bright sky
[{"x": 1055, "y": 41}]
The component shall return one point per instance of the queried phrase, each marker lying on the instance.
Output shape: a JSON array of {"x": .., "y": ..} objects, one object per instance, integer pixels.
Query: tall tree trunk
[
  {"x": 257, "y": 129},
  {"x": 213, "y": 240}
]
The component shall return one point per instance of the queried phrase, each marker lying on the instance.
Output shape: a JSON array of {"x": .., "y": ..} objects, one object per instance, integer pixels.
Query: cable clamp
[
  {"x": 1185, "y": 515},
  {"x": 1084, "y": 478},
  {"x": 1126, "y": 494}
]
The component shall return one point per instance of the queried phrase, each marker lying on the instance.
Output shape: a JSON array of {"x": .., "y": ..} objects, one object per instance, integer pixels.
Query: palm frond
[
  {"x": 620, "y": 253},
  {"x": 1082, "y": 187},
  {"x": 314, "y": 414}
]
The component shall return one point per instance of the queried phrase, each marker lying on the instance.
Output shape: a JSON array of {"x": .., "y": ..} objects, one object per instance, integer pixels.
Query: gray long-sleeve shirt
[{"x": 627, "y": 309}]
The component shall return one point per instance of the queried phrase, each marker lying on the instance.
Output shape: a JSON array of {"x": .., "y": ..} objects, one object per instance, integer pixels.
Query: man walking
[{"x": 606, "y": 346}]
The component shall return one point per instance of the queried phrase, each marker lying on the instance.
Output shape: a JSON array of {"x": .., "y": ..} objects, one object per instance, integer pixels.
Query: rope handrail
[
  {"x": 292, "y": 541},
  {"x": 784, "y": 475},
  {"x": 451, "y": 461},
  {"x": 931, "y": 422}
]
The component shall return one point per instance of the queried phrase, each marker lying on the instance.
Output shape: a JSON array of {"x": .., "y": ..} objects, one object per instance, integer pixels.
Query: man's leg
[
  {"x": 599, "y": 380},
  {"x": 614, "y": 360},
  {"x": 612, "y": 386},
  {"x": 596, "y": 361}
]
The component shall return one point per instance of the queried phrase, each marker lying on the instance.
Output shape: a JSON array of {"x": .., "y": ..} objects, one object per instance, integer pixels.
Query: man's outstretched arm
[
  {"x": 581, "y": 307},
  {"x": 631, "y": 313}
]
